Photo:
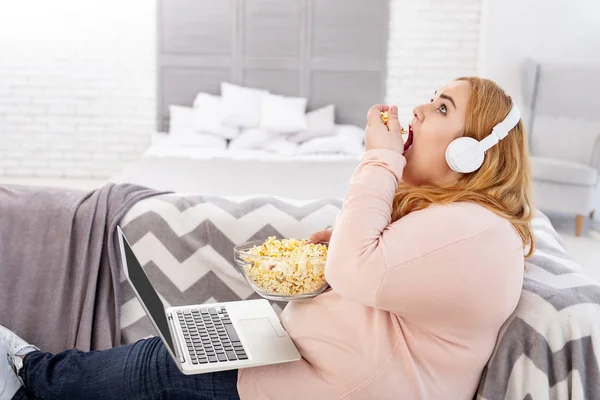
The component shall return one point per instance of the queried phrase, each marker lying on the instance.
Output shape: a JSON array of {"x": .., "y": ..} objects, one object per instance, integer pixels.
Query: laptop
[{"x": 211, "y": 337}]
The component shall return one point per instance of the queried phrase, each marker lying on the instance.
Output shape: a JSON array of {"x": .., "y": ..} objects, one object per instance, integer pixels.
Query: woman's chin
[{"x": 406, "y": 179}]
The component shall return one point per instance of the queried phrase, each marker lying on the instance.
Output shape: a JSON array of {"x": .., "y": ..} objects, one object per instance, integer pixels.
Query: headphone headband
[{"x": 511, "y": 120}]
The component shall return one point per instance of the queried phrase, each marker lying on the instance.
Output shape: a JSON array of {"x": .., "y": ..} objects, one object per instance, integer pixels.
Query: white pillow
[
  {"x": 240, "y": 106},
  {"x": 320, "y": 122},
  {"x": 283, "y": 114},
  {"x": 347, "y": 140},
  {"x": 252, "y": 138},
  {"x": 206, "y": 116},
  {"x": 182, "y": 132},
  {"x": 181, "y": 120}
]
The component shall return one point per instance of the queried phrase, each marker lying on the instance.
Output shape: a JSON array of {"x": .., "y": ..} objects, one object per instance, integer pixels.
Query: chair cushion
[
  {"x": 562, "y": 171},
  {"x": 573, "y": 139}
]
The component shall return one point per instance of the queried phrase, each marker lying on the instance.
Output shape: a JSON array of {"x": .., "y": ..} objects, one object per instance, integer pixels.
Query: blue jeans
[{"x": 139, "y": 371}]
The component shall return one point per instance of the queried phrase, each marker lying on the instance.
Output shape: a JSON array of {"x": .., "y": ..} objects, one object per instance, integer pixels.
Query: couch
[
  {"x": 548, "y": 349},
  {"x": 562, "y": 113}
]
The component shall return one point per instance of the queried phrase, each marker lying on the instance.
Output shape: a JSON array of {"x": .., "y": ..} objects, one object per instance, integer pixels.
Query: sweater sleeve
[{"x": 355, "y": 261}]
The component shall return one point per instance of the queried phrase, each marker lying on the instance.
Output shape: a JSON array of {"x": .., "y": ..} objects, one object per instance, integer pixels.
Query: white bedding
[
  {"x": 223, "y": 172},
  {"x": 167, "y": 149}
]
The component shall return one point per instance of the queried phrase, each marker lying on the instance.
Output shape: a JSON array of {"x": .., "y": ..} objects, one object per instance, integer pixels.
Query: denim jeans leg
[
  {"x": 23, "y": 394},
  {"x": 140, "y": 371}
]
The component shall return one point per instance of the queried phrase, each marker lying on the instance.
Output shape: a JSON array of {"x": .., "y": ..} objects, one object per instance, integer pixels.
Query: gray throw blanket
[
  {"x": 59, "y": 269},
  {"x": 548, "y": 349}
]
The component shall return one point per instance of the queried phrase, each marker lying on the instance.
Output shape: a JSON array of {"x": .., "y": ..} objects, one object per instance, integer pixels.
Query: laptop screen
[{"x": 148, "y": 295}]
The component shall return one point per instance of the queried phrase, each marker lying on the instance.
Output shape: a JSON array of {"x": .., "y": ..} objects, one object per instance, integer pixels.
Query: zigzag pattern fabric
[
  {"x": 185, "y": 243},
  {"x": 548, "y": 349}
]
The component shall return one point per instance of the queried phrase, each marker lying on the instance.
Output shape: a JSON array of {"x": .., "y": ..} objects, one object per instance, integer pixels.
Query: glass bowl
[{"x": 281, "y": 278}]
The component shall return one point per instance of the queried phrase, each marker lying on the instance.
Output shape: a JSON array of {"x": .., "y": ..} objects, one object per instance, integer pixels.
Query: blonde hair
[{"x": 502, "y": 184}]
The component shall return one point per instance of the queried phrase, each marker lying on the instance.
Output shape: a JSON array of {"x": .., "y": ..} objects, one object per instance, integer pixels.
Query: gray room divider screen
[{"x": 330, "y": 51}]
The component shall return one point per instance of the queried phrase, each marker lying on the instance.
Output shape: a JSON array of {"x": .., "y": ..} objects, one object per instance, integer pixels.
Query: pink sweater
[{"x": 415, "y": 306}]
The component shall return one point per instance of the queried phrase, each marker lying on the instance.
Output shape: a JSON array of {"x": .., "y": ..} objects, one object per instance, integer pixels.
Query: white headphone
[{"x": 466, "y": 154}]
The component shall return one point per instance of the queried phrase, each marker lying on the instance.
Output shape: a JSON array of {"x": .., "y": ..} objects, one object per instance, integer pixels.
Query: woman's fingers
[
  {"x": 374, "y": 114},
  {"x": 320, "y": 236},
  {"x": 316, "y": 237},
  {"x": 393, "y": 122}
]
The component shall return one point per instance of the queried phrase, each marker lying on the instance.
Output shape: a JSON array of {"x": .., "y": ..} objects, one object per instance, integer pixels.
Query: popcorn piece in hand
[{"x": 384, "y": 117}]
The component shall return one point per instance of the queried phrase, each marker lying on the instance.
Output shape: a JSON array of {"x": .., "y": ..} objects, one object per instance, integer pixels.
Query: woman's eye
[{"x": 443, "y": 109}]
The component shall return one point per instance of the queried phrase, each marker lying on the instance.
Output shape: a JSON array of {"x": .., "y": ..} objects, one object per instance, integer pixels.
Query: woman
[{"x": 425, "y": 265}]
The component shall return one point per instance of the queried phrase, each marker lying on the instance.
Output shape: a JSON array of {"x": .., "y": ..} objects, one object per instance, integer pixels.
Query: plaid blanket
[{"x": 546, "y": 350}]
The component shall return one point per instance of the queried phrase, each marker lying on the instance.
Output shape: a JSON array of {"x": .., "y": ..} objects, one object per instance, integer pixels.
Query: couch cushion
[{"x": 562, "y": 171}]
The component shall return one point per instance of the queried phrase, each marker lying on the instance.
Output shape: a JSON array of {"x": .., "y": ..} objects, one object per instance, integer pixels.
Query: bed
[
  {"x": 331, "y": 53},
  {"x": 230, "y": 173},
  {"x": 225, "y": 172}
]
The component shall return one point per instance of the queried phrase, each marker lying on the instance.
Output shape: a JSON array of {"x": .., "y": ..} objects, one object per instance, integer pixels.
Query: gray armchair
[{"x": 562, "y": 114}]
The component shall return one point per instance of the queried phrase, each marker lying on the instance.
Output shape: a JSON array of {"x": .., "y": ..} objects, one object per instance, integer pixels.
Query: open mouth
[{"x": 409, "y": 139}]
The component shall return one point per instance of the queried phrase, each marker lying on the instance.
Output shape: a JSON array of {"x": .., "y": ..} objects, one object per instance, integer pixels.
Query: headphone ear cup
[{"x": 456, "y": 152}]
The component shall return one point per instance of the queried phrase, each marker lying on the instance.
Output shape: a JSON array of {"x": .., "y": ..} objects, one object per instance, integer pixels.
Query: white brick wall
[
  {"x": 78, "y": 88},
  {"x": 77, "y": 85},
  {"x": 431, "y": 42}
]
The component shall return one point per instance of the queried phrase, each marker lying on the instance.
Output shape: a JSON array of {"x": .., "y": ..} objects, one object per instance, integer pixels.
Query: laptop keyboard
[{"x": 210, "y": 336}]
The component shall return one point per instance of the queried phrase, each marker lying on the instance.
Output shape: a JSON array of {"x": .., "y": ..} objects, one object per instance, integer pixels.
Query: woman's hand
[
  {"x": 380, "y": 136},
  {"x": 321, "y": 236}
]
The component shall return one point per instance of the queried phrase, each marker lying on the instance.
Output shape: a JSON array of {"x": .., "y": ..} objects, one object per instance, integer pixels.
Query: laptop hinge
[{"x": 176, "y": 339}]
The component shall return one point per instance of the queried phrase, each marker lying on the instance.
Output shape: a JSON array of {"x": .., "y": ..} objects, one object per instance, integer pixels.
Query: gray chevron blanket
[
  {"x": 58, "y": 266},
  {"x": 548, "y": 349}
]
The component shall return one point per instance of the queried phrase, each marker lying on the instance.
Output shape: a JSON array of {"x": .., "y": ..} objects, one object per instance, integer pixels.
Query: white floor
[{"x": 584, "y": 249}]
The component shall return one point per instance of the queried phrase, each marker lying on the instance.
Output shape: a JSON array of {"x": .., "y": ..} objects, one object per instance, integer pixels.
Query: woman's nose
[{"x": 418, "y": 113}]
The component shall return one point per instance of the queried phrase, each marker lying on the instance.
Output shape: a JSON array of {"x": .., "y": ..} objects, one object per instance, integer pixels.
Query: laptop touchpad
[{"x": 258, "y": 327}]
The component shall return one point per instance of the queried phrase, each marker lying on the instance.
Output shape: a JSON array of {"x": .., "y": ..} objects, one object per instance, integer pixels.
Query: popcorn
[
  {"x": 384, "y": 117},
  {"x": 286, "y": 267}
]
